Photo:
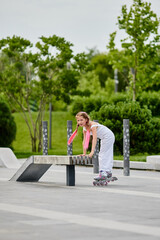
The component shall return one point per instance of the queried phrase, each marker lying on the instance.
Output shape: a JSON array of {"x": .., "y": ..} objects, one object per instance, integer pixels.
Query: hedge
[
  {"x": 151, "y": 100},
  {"x": 144, "y": 130}
]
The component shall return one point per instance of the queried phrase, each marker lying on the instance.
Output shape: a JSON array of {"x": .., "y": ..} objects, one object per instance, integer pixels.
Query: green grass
[
  {"x": 136, "y": 158},
  {"x": 22, "y": 144}
]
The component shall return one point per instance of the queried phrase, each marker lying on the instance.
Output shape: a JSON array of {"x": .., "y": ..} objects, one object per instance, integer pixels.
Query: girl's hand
[{"x": 90, "y": 155}]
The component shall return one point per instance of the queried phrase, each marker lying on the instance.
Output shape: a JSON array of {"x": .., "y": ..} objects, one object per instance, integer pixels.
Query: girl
[{"x": 107, "y": 141}]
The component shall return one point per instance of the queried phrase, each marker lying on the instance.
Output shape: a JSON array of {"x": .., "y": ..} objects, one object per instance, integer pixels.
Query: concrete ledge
[
  {"x": 155, "y": 159},
  {"x": 50, "y": 159},
  {"x": 61, "y": 160},
  {"x": 35, "y": 166},
  {"x": 138, "y": 165}
]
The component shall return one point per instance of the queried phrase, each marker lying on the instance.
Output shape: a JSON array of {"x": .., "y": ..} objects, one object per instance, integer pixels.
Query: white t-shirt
[{"x": 102, "y": 131}]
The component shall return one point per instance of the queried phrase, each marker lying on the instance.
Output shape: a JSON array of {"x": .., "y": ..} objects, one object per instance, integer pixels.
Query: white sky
[{"x": 85, "y": 23}]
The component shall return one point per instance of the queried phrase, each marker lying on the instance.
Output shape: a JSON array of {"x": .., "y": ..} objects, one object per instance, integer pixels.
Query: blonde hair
[{"x": 84, "y": 115}]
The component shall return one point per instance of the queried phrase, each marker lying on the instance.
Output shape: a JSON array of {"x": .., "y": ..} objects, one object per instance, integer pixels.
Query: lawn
[{"x": 22, "y": 144}]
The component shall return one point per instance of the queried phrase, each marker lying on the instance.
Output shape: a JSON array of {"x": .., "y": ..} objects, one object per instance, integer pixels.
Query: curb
[{"x": 153, "y": 164}]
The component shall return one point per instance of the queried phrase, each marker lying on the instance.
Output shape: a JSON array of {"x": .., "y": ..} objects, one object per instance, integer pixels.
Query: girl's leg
[{"x": 106, "y": 154}]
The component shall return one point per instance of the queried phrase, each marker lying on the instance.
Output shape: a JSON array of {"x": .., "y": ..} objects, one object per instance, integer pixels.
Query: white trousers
[{"x": 106, "y": 153}]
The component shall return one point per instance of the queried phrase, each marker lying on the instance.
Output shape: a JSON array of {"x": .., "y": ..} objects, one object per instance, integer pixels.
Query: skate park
[
  {"x": 103, "y": 59},
  {"x": 49, "y": 209}
]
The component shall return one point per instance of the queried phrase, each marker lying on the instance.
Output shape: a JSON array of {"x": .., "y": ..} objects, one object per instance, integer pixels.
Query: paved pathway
[{"x": 126, "y": 209}]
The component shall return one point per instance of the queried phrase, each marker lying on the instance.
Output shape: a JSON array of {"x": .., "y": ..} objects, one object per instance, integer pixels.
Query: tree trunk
[
  {"x": 40, "y": 137},
  {"x": 135, "y": 75},
  {"x": 34, "y": 140},
  {"x": 42, "y": 107},
  {"x": 134, "y": 86}
]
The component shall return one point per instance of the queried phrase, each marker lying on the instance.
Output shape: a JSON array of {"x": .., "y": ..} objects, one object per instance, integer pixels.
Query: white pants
[{"x": 106, "y": 153}]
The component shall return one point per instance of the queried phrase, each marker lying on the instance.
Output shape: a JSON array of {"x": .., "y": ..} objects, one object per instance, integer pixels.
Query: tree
[
  {"x": 102, "y": 68},
  {"x": 27, "y": 76},
  {"x": 140, "y": 46},
  {"x": 89, "y": 83}
]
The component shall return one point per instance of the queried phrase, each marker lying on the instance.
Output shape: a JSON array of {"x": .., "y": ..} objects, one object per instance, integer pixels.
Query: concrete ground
[{"x": 126, "y": 209}]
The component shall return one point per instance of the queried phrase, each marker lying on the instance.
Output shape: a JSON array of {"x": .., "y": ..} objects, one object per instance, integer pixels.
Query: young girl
[{"x": 107, "y": 141}]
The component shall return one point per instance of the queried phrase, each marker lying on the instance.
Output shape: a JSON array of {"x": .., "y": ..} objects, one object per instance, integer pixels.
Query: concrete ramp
[
  {"x": 35, "y": 166},
  {"x": 30, "y": 172},
  {"x": 8, "y": 158}
]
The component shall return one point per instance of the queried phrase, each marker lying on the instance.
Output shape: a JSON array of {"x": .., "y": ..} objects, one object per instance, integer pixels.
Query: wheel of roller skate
[
  {"x": 106, "y": 183},
  {"x": 102, "y": 183},
  {"x": 95, "y": 183}
]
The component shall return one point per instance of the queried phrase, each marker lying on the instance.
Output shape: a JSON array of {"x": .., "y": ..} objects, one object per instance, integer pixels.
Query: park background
[{"x": 120, "y": 82}]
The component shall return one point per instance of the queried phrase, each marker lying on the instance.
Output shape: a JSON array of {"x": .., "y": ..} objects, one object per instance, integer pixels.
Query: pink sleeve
[
  {"x": 86, "y": 144},
  {"x": 72, "y": 137}
]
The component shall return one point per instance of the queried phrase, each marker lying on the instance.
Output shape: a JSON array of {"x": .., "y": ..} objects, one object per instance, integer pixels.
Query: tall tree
[
  {"x": 141, "y": 26},
  {"x": 27, "y": 76}
]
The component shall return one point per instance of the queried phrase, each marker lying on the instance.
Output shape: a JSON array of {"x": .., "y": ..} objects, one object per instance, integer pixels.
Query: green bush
[
  {"x": 144, "y": 131},
  {"x": 151, "y": 100},
  {"x": 87, "y": 104},
  {"x": 7, "y": 125},
  {"x": 120, "y": 97}
]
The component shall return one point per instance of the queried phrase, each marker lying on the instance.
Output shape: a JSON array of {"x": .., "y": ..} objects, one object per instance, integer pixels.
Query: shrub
[
  {"x": 7, "y": 125},
  {"x": 87, "y": 104},
  {"x": 120, "y": 97},
  {"x": 151, "y": 100},
  {"x": 144, "y": 131},
  {"x": 94, "y": 103}
]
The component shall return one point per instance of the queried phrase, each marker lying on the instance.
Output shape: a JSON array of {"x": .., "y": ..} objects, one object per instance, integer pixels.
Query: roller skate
[{"x": 103, "y": 178}]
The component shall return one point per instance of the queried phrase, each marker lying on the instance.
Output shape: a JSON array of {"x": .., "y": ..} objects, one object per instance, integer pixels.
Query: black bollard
[
  {"x": 70, "y": 169},
  {"x": 45, "y": 137},
  {"x": 69, "y": 133},
  {"x": 126, "y": 147}
]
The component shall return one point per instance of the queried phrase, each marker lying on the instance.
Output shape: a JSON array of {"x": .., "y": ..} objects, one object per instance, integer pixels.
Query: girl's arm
[
  {"x": 94, "y": 141},
  {"x": 84, "y": 138}
]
